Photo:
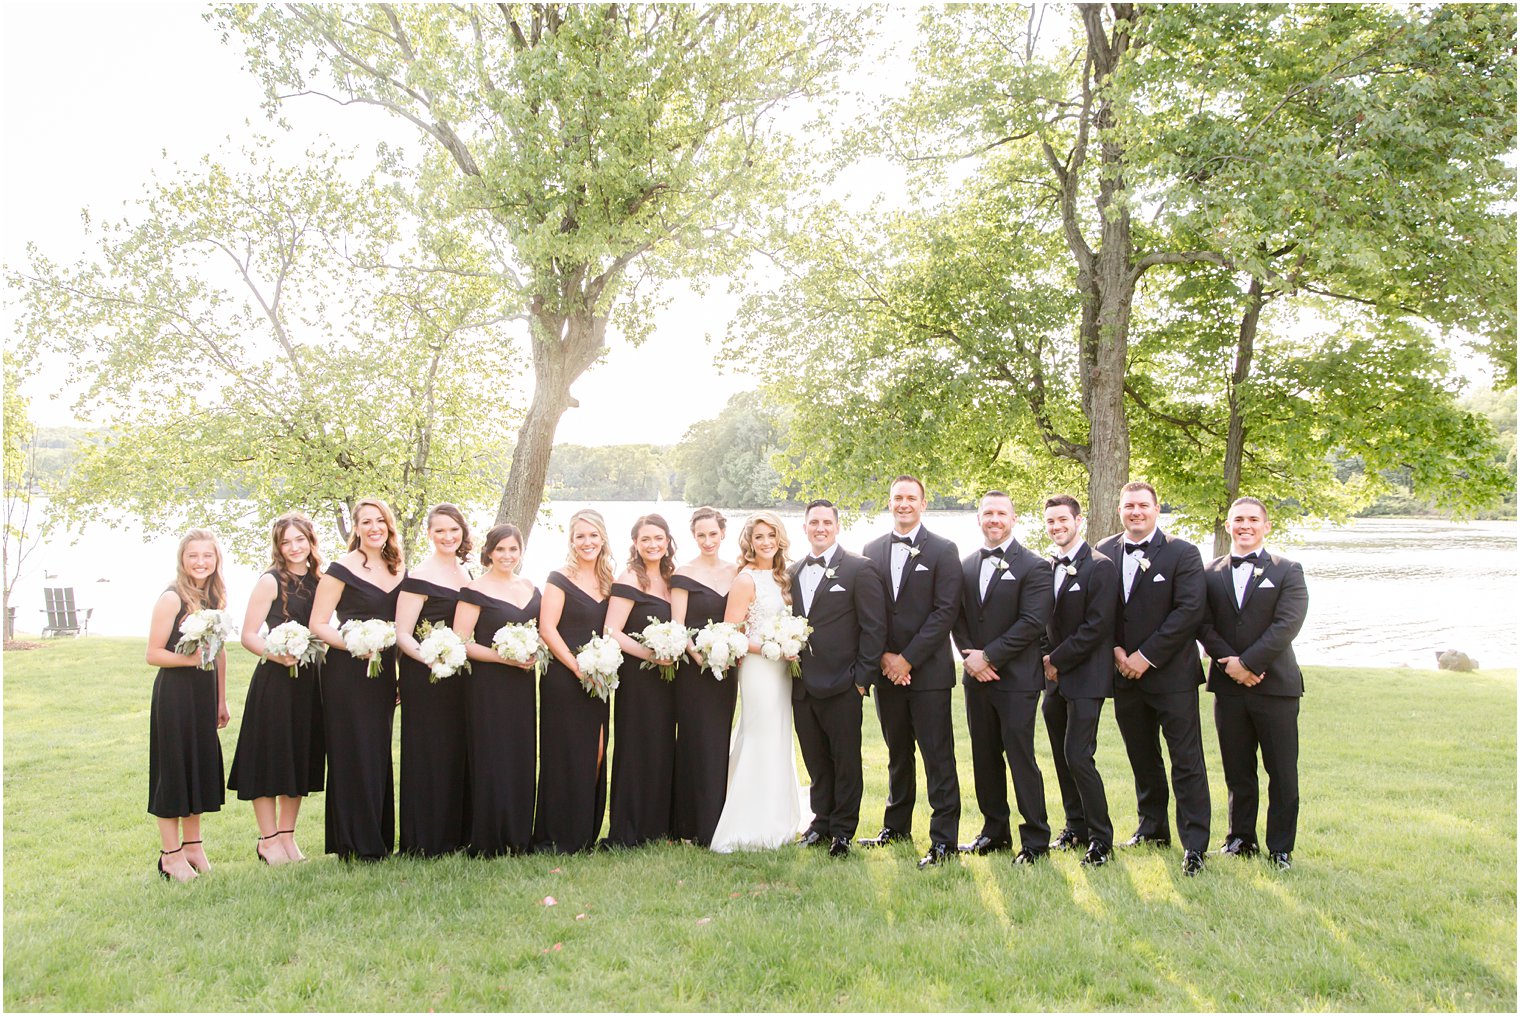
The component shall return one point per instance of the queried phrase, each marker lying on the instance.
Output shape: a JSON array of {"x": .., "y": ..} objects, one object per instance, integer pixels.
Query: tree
[
  {"x": 590, "y": 142},
  {"x": 727, "y": 461},
  {"x": 275, "y": 334},
  {"x": 21, "y": 534}
]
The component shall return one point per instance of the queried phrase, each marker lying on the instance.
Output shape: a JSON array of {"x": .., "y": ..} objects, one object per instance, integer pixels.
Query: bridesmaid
[
  {"x": 189, "y": 706},
  {"x": 704, "y": 705},
  {"x": 435, "y": 770},
  {"x": 572, "y": 724},
  {"x": 501, "y": 731},
  {"x": 644, "y": 713},
  {"x": 280, "y": 756},
  {"x": 358, "y": 711}
]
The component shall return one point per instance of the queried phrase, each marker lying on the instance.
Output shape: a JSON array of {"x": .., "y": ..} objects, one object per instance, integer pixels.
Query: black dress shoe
[
  {"x": 1237, "y": 847},
  {"x": 1027, "y": 856},
  {"x": 840, "y": 847},
  {"x": 1282, "y": 859},
  {"x": 1068, "y": 840},
  {"x": 884, "y": 837},
  {"x": 812, "y": 838},
  {"x": 1098, "y": 854},
  {"x": 1192, "y": 862},
  {"x": 1142, "y": 840},
  {"x": 937, "y": 854},
  {"x": 986, "y": 845}
]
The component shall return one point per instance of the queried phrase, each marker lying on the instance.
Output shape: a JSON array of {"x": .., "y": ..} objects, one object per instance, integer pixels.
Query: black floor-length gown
[
  {"x": 572, "y": 724},
  {"x": 704, "y": 726},
  {"x": 501, "y": 736},
  {"x": 184, "y": 750},
  {"x": 280, "y": 748},
  {"x": 358, "y": 713},
  {"x": 435, "y": 763},
  {"x": 643, "y": 737}
]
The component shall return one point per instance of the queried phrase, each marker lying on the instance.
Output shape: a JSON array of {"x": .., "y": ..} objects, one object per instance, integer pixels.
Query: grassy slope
[{"x": 1403, "y": 895}]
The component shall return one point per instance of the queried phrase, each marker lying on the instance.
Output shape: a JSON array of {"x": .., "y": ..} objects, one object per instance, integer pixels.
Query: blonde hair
[
  {"x": 779, "y": 562},
  {"x": 194, "y": 597},
  {"x": 391, "y": 552},
  {"x": 604, "y": 574}
]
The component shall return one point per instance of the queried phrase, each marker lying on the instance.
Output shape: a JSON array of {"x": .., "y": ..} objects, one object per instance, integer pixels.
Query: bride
[{"x": 763, "y": 808}]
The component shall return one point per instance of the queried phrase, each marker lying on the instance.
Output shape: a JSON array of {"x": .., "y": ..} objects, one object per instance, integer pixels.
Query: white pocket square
[
  {"x": 836, "y": 588},
  {"x": 1073, "y": 588},
  {"x": 1266, "y": 584},
  {"x": 1159, "y": 578},
  {"x": 1009, "y": 577},
  {"x": 921, "y": 568}
]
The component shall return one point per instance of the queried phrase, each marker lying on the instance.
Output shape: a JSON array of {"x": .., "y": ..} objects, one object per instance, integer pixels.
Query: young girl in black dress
[{"x": 189, "y": 707}]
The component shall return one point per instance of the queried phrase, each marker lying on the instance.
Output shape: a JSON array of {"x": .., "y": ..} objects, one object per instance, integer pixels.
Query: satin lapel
[
  {"x": 1258, "y": 573},
  {"x": 971, "y": 574},
  {"x": 908, "y": 564},
  {"x": 796, "y": 574}
]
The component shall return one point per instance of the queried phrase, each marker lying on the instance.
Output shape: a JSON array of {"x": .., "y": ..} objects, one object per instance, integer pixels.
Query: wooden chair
[{"x": 63, "y": 618}]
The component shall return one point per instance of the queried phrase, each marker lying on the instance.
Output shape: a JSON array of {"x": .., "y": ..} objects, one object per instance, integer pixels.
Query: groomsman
[
  {"x": 840, "y": 595},
  {"x": 1159, "y": 671},
  {"x": 1079, "y": 672},
  {"x": 921, "y": 581},
  {"x": 1005, "y": 606},
  {"x": 1257, "y": 602}
]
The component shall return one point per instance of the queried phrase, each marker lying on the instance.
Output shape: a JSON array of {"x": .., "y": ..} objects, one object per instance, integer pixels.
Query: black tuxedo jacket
[
  {"x": 849, "y": 624},
  {"x": 920, "y": 618},
  {"x": 1009, "y": 624},
  {"x": 1163, "y": 613},
  {"x": 1080, "y": 636},
  {"x": 1261, "y": 631}
]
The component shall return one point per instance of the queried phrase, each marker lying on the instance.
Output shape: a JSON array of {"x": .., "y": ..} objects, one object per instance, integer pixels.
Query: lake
[{"x": 1382, "y": 592}]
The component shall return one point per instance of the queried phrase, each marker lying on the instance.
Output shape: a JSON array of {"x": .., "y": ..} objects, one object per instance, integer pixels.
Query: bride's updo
[{"x": 778, "y": 565}]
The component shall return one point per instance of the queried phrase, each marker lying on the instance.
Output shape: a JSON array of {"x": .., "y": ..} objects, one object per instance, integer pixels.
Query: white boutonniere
[
  {"x": 914, "y": 551},
  {"x": 1257, "y": 572},
  {"x": 1069, "y": 569},
  {"x": 828, "y": 573},
  {"x": 999, "y": 564},
  {"x": 1144, "y": 562}
]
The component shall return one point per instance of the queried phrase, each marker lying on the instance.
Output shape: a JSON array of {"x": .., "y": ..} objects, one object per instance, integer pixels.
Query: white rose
[
  {"x": 771, "y": 651},
  {"x": 791, "y": 647}
]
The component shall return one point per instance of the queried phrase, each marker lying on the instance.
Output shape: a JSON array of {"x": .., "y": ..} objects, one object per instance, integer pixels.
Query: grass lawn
[{"x": 1402, "y": 895}]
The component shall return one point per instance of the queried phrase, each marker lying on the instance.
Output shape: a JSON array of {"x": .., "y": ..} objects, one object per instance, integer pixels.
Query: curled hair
[
  {"x": 592, "y": 518},
  {"x": 494, "y": 535},
  {"x": 285, "y": 580},
  {"x": 466, "y": 542},
  {"x": 196, "y": 597},
  {"x": 391, "y": 552},
  {"x": 779, "y": 563},
  {"x": 709, "y": 512},
  {"x": 636, "y": 560}
]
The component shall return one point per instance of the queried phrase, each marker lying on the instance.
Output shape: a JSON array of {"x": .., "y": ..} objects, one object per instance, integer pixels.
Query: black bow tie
[
  {"x": 819, "y": 561},
  {"x": 902, "y": 539},
  {"x": 1251, "y": 558},
  {"x": 991, "y": 552},
  {"x": 1064, "y": 562},
  {"x": 1142, "y": 547}
]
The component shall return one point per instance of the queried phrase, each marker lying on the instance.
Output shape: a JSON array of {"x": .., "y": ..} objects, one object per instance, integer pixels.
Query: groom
[{"x": 841, "y": 596}]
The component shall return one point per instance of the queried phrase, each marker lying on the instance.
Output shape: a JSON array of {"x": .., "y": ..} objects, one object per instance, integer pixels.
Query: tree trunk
[{"x": 1235, "y": 437}]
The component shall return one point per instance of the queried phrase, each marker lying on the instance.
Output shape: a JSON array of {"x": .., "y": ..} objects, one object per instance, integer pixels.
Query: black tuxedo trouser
[
  {"x": 828, "y": 730},
  {"x": 907, "y": 717},
  {"x": 1243, "y": 722},
  {"x": 1073, "y": 729},
  {"x": 1143, "y": 719},
  {"x": 1002, "y": 726}
]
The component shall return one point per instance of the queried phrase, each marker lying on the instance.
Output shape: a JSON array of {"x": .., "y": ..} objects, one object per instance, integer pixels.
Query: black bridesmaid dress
[
  {"x": 358, "y": 713},
  {"x": 435, "y": 764},
  {"x": 280, "y": 751},
  {"x": 572, "y": 725},
  {"x": 500, "y": 736},
  {"x": 643, "y": 737},
  {"x": 184, "y": 750},
  {"x": 704, "y": 726}
]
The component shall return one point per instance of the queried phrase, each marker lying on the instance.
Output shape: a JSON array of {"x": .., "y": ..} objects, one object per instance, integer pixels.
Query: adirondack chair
[{"x": 63, "y": 618}]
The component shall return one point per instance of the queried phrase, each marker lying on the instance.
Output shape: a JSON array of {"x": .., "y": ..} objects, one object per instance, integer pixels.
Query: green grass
[{"x": 1402, "y": 896}]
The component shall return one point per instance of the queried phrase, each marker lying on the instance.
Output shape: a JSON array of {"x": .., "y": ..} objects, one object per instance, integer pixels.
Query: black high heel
[
  {"x": 258, "y": 853},
  {"x": 163, "y": 854},
  {"x": 292, "y": 832},
  {"x": 198, "y": 870}
]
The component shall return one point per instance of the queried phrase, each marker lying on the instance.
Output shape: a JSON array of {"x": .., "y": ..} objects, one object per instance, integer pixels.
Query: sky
[{"x": 134, "y": 89}]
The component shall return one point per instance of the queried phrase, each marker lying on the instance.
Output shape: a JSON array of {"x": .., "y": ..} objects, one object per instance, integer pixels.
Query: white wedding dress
[{"x": 764, "y": 807}]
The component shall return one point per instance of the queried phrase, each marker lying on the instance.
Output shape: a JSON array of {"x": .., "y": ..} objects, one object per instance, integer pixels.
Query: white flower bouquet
[
  {"x": 205, "y": 632},
  {"x": 599, "y": 661},
  {"x": 665, "y": 640},
  {"x": 784, "y": 638},
  {"x": 521, "y": 643},
  {"x": 368, "y": 638},
  {"x": 442, "y": 650},
  {"x": 721, "y": 644},
  {"x": 292, "y": 638}
]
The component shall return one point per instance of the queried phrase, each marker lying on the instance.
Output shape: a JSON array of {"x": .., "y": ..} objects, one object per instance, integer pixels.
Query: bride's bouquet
[
  {"x": 442, "y": 650},
  {"x": 520, "y": 643},
  {"x": 292, "y": 638},
  {"x": 783, "y": 637},
  {"x": 368, "y": 638},
  {"x": 721, "y": 644},
  {"x": 205, "y": 632},
  {"x": 665, "y": 640},
  {"x": 599, "y": 661}
]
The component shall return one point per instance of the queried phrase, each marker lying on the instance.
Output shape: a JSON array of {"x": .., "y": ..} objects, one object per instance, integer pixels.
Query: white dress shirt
[
  {"x": 1131, "y": 561},
  {"x": 1242, "y": 572},
  {"x": 900, "y": 556},
  {"x": 812, "y": 575},
  {"x": 989, "y": 565},
  {"x": 1061, "y": 576}
]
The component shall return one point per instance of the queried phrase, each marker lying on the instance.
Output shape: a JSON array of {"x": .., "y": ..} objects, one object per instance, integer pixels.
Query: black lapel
[{"x": 908, "y": 562}]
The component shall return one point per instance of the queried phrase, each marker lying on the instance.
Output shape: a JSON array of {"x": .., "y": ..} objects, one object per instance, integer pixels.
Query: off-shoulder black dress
[
  {"x": 643, "y": 737},
  {"x": 184, "y": 748},
  {"x": 358, "y": 713},
  {"x": 704, "y": 725},
  {"x": 572, "y": 727},
  {"x": 500, "y": 735},
  {"x": 435, "y": 763}
]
